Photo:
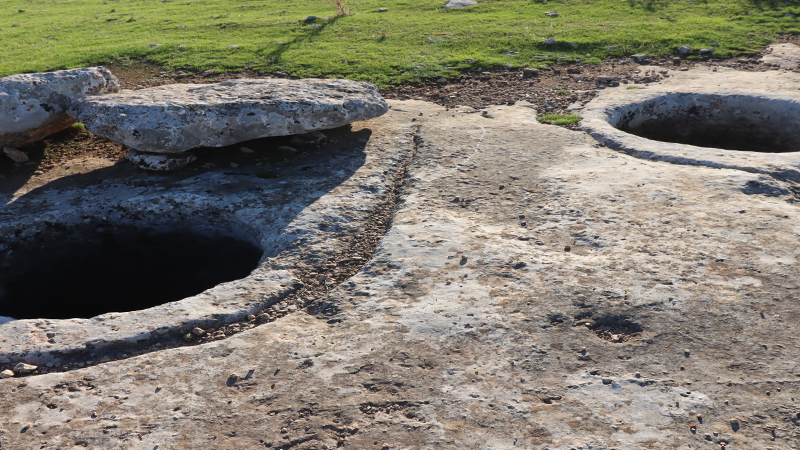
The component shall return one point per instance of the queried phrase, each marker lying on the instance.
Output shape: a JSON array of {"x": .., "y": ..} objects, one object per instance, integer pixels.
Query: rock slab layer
[
  {"x": 176, "y": 118},
  {"x": 34, "y": 106}
]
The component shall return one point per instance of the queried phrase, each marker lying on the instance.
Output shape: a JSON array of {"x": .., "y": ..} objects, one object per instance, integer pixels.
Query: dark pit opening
[
  {"x": 731, "y": 122},
  {"x": 83, "y": 273}
]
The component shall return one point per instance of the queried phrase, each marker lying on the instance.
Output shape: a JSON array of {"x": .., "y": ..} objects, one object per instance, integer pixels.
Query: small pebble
[
  {"x": 6, "y": 374},
  {"x": 197, "y": 331},
  {"x": 246, "y": 150},
  {"x": 24, "y": 368}
]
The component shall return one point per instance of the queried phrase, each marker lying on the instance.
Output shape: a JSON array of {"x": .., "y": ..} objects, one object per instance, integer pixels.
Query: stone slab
[
  {"x": 35, "y": 105},
  {"x": 179, "y": 117}
]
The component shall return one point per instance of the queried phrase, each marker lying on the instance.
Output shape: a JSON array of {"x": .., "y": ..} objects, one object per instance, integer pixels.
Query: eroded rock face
[
  {"x": 176, "y": 118},
  {"x": 33, "y": 106}
]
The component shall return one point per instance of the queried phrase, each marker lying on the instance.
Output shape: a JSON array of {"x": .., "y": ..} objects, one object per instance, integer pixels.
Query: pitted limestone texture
[
  {"x": 34, "y": 106},
  {"x": 418, "y": 350},
  {"x": 704, "y": 123},
  {"x": 731, "y": 122},
  {"x": 100, "y": 267},
  {"x": 180, "y": 117}
]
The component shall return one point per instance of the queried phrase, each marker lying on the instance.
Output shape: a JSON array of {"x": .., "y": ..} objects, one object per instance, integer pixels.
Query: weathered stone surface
[
  {"x": 33, "y": 106},
  {"x": 159, "y": 162},
  {"x": 786, "y": 56},
  {"x": 459, "y": 4},
  {"x": 179, "y": 117},
  {"x": 535, "y": 290}
]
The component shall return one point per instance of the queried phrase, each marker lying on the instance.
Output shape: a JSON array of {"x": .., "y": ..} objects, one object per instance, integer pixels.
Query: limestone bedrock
[
  {"x": 179, "y": 117},
  {"x": 34, "y": 106},
  {"x": 535, "y": 291}
]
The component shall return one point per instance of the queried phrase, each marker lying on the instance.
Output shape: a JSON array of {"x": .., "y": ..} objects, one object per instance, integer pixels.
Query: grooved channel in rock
[
  {"x": 732, "y": 122},
  {"x": 94, "y": 270}
]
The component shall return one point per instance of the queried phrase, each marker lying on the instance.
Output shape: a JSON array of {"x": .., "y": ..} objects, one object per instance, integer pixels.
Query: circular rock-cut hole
[
  {"x": 84, "y": 273},
  {"x": 733, "y": 122}
]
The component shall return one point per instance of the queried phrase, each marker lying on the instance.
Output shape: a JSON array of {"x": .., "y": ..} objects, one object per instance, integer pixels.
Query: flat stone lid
[{"x": 178, "y": 117}]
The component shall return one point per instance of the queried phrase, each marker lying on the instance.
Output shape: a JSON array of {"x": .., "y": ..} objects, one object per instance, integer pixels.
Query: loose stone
[
  {"x": 15, "y": 155},
  {"x": 159, "y": 162},
  {"x": 197, "y": 331},
  {"x": 530, "y": 72},
  {"x": 23, "y": 368},
  {"x": 6, "y": 374},
  {"x": 706, "y": 53}
]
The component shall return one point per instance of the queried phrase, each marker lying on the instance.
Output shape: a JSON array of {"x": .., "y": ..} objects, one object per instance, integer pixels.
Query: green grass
[
  {"x": 413, "y": 39},
  {"x": 559, "y": 119},
  {"x": 633, "y": 87}
]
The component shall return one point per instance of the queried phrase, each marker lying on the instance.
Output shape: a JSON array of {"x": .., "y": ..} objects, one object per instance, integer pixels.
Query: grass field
[{"x": 413, "y": 38}]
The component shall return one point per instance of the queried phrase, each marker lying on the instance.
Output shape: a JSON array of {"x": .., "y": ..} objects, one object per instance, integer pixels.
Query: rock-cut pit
[{"x": 731, "y": 122}]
